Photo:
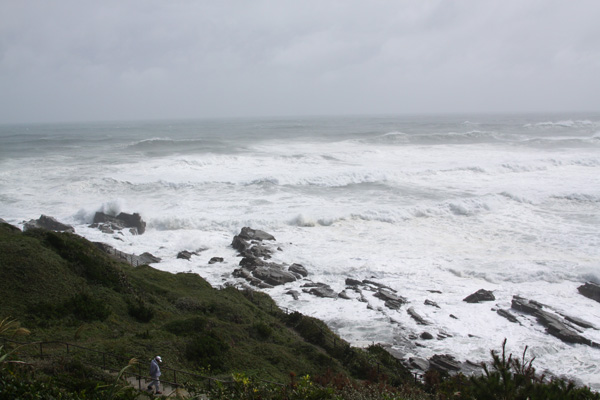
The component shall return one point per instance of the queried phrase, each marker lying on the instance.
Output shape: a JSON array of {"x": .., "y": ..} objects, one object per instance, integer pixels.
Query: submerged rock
[{"x": 215, "y": 260}]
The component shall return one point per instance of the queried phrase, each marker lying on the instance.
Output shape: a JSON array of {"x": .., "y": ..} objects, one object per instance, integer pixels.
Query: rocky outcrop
[
  {"x": 294, "y": 293},
  {"x": 479, "y": 296},
  {"x": 554, "y": 324},
  {"x": 320, "y": 290},
  {"x": 444, "y": 363},
  {"x": 590, "y": 290},
  {"x": 185, "y": 255},
  {"x": 273, "y": 274},
  {"x": 508, "y": 315},
  {"x": 416, "y": 316},
  {"x": 431, "y": 303},
  {"x": 298, "y": 269},
  {"x": 352, "y": 282},
  {"x": 254, "y": 265},
  {"x": 391, "y": 299},
  {"x": 109, "y": 223},
  {"x": 215, "y": 260},
  {"x": 48, "y": 223}
]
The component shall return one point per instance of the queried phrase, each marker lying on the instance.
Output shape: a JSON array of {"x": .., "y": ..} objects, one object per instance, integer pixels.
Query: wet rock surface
[
  {"x": 554, "y": 323},
  {"x": 110, "y": 223},
  {"x": 48, "y": 223},
  {"x": 590, "y": 290},
  {"x": 479, "y": 296}
]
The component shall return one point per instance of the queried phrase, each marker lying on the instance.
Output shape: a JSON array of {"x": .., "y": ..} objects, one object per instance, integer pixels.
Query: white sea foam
[{"x": 419, "y": 206}]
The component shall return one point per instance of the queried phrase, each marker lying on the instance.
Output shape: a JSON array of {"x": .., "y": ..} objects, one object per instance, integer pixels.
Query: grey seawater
[{"x": 459, "y": 202}]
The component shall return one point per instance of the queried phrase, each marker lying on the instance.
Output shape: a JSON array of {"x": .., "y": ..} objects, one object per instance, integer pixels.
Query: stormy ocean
[{"x": 435, "y": 207}]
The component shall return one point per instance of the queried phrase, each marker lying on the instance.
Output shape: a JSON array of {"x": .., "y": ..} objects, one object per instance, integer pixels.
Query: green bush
[
  {"x": 86, "y": 261},
  {"x": 207, "y": 349},
  {"x": 186, "y": 327},
  {"x": 139, "y": 310},
  {"x": 262, "y": 330},
  {"x": 509, "y": 378},
  {"x": 87, "y": 308}
]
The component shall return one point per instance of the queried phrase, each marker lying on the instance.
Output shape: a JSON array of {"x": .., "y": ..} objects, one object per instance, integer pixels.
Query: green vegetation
[{"x": 64, "y": 289}]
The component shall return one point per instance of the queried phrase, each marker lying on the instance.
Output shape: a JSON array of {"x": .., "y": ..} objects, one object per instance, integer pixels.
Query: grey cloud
[{"x": 78, "y": 60}]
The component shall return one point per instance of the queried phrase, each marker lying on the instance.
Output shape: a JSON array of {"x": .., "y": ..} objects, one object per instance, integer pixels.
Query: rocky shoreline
[{"x": 255, "y": 269}]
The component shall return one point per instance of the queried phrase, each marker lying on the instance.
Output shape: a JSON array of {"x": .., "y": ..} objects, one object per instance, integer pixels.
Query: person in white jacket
[{"x": 155, "y": 374}]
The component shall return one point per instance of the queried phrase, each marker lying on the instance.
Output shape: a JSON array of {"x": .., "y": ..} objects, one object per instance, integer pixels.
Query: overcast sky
[{"x": 123, "y": 59}]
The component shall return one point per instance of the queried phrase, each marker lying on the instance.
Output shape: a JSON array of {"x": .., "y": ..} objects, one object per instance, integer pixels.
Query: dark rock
[
  {"x": 420, "y": 320},
  {"x": 435, "y": 291},
  {"x": 255, "y": 234},
  {"x": 48, "y": 223},
  {"x": 508, "y": 315},
  {"x": 419, "y": 363},
  {"x": 251, "y": 263},
  {"x": 385, "y": 294},
  {"x": 344, "y": 295},
  {"x": 185, "y": 255},
  {"x": 393, "y": 304},
  {"x": 443, "y": 335},
  {"x": 590, "y": 290},
  {"x": 215, "y": 260},
  {"x": 257, "y": 250},
  {"x": 294, "y": 293},
  {"x": 352, "y": 282},
  {"x": 453, "y": 316},
  {"x": 273, "y": 274},
  {"x": 579, "y": 322},
  {"x": 552, "y": 322},
  {"x": 247, "y": 275},
  {"x": 479, "y": 296},
  {"x": 298, "y": 269},
  {"x": 147, "y": 258},
  {"x": 431, "y": 303},
  {"x": 123, "y": 220},
  {"x": 426, "y": 336},
  {"x": 444, "y": 363},
  {"x": 239, "y": 244},
  {"x": 322, "y": 290},
  {"x": 378, "y": 285}
]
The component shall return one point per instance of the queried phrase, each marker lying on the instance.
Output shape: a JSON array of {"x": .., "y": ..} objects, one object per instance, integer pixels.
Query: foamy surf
[{"x": 433, "y": 207}]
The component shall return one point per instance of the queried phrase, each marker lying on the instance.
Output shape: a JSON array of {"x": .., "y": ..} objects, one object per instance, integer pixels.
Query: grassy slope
[{"x": 63, "y": 288}]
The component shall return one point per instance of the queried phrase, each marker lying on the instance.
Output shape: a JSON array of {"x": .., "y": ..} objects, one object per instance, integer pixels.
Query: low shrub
[
  {"x": 87, "y": 308},
  {"x": 139, "y": 310},
  {"x": 186, "y": 327},
  {"x": 262, "y": 330},
  {"x": 207, "y": 349}
]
